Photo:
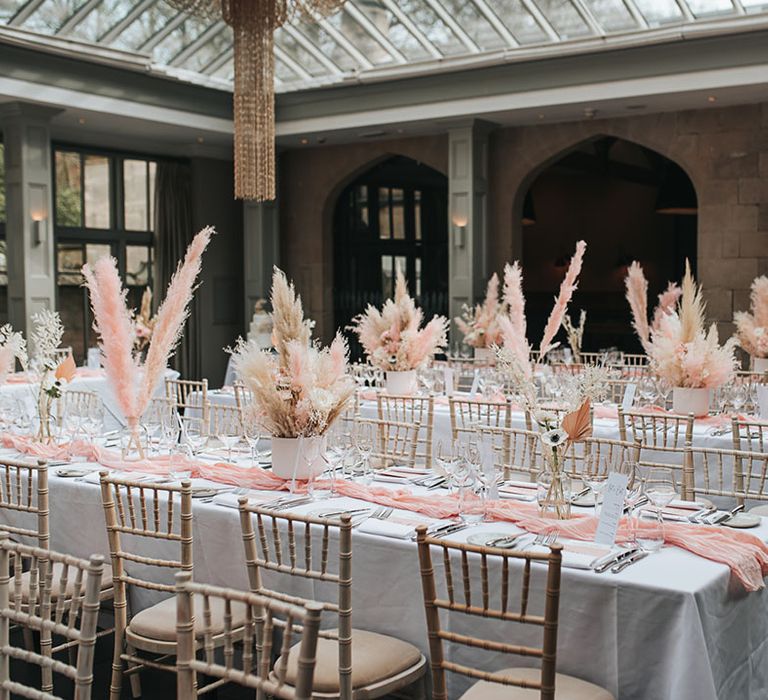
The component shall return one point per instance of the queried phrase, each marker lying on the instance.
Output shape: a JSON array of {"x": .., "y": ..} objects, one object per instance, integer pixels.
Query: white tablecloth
[
  {"x": 671, "y": 627},
  {"x": 98, "y": 384}
]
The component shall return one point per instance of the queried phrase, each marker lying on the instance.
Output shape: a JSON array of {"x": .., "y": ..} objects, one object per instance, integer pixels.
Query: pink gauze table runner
[
  {"x": 745, "y": 554},
  {"x": 30, "y": 378}
]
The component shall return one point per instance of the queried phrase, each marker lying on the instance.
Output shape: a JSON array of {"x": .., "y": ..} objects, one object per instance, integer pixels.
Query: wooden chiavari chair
[
  {"x": 634, "y": 359},
  {"x": 468, "y": 414},
  {"x": 394, "y": 444},
  {"x": 515, "y": 451},
  {"x": 599, "y": 455},
  {"x": 61, "y": 354},
  {"x": 75, "y": 399},
  {"x": 66, "y": 608},
  {"x": 411, "y": 409},
  {"x": 566, "y": 368},
  {"x": 736, "y": 475},
  {"x": 749, "y": 434},
  {"x": 350, "y": 663},
  {"x": 617, "y": 388},
  {"x": 263, "y": 617},
  {"x": 465, "y": 566},
  {"x": 188, "y": 394},
  {"x": 243, "y": 396},
  {"x": 160, "y": 513},
  {"x": 591, "y": 358},
  {"x": 664, "y": 435}
]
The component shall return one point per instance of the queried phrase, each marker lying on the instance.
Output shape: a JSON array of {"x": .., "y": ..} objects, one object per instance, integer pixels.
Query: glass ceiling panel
[
  {"x": 364, "y": 34},
  {"x": 52, "y": 14},
  {"x": 144, "y": 26},
  {"x": 101, "y": 19},
  {"x": 658, "y": 12},
  {"x": 564, "y": 18},
  {"x": 613, "y": 15},
  {"x": 519, "y": 21},
  {"x": 432, "y": 26},
  {"x": 475, "y": 24}
]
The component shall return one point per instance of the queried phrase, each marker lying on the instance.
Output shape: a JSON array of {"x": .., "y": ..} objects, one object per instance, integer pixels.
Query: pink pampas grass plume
[
  {"x": 113, "y": 322},
  {"x": 514, "y": 298},
  {"x": 667, "y": 302},
  {"x": 637, "y": 295},
  {"x": 171, "y": 316},
  {"x": 567, "y": 288},
  {"x": 752, "y": 328}
]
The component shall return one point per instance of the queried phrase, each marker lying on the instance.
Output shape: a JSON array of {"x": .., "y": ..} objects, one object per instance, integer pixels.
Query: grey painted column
[
  {"x": 261, "y": 250},
  {"x": 29, "y": 211},
  {"x": 467, "y": 192}
]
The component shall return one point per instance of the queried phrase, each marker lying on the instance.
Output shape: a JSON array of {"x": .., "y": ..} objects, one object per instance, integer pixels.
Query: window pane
[
  {"x": 136, "y": 207},
  {"x": 417, "y": 214},
  {"x": 2, "y": 183},
  {"x": 68, "y": 204},
  {"x": 384, "y": 225},
  {"x": 137, "y": 266},
  {"x": 387, "y": 277},
  {"x": 398, "y": 215},
  {"x": 97, "y": 214},
  {"x": 152, "y": 173},
  {"x": 52, "y": 14}
]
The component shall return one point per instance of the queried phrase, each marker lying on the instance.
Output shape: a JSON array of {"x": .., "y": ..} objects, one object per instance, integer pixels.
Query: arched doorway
[
  {"x": 629, "y": 203},
  {"x": 392, "y": 216}
]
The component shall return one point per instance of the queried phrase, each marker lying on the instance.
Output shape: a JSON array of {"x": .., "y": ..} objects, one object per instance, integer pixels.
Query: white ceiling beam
[
  {"x": 495, "y": 22},
  {"x": 411, "y": 26},
  {"x": 589, "y": 19},
  {"x": 453, "y": 25},
  {"x": 541, "y": 19},
  {"x": 294, "y": 65},
  {"x": 24, "y": 13},
  {"x": 346, "y": 44},
  {"x": 311, "y": 48},
  {"x": 158, "y": 36},
  {"x": 192, "y": 48},
  {"x": 115, "y": 31},
  {"x": 374, "y": 32},
  {"x": 78, "y": 16},
  {"x": 638, "y": 16}
]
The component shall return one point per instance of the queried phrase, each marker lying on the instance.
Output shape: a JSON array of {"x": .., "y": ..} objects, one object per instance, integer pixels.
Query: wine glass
[
  {"x": 311, "y": 448},
  {"x": 594, "y": 479},
  {"x": 739, "y": 396},
  {"x": 659, "y": 487},
  {"x": 447, "y": 456},
  {"x": 193, "y": 435},
  {"x": 364, "y": 443},
  {"x": 171, "y": 428},
  {"x": 646, "y": 390},
  {"x": 229, "y": 434},
  {"x": 663, "y": 389},
  {"x": 92, "y": 420},
  {"x": 252, "y": 435},
  {"x": 153, "y": 424}
]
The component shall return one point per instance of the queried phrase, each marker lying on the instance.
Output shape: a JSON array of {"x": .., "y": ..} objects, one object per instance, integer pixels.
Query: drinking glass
[
  {"x": 646, "y": 390},
  {"x": 663, "y": 389},
  {"x": 447, "y": 456},
  {"x": 153, "y": 425},
  {"x": 92, "y": 420},
  {"x": 364, "y": 443},
  {"x": 229, "y": 435},
  {"x": 739, "y": 396},
  {"x": 659, "y": 487},
  {"x": 594, "y": 479},
  {"x": 311, "y": 451},
  {"x": 252, "y": 435}
]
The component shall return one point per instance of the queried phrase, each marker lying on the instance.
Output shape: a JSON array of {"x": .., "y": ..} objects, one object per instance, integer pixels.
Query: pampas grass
[
  {"x": 393, "y": 338},
  {"x": 636, "y": 286},
  {"x": 303, "y": 388},
  {"x": 12, "y": 347},
  {"x": 683, "y": 351},
  {"x": 113, "y": 321},
  {"x": 752, "y": 328},
  {"x": 480, "y": 325}
]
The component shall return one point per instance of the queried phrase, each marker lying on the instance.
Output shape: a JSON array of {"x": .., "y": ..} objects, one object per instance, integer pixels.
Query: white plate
[
  {"x": 204, "y": 492},
  {"x": 481, "y": 539},
  {"x": 743, "y": 521},
  {"x": 72, "y": 472}
]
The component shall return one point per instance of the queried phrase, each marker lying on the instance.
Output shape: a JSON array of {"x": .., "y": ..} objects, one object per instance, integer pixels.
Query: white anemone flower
[{"x": 554, "y": 438}]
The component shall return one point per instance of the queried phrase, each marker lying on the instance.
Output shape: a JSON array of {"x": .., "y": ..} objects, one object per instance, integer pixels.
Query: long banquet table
[{"x": 672, "y": 626}]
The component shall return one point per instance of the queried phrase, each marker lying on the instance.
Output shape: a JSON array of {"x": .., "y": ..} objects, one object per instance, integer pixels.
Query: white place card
[
  {"x": 475, "y": 385},
  {"x": 612, "y": 508},
  {"x": 629, "y": 396},
  {"x": 448, "y": 381}
]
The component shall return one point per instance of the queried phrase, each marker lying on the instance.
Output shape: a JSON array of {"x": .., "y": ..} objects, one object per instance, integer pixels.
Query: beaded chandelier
[{"x": 253, "y": 24}]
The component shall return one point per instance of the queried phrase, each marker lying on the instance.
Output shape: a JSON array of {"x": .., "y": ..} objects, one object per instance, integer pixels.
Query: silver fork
[{"x": 382, "y": 513}]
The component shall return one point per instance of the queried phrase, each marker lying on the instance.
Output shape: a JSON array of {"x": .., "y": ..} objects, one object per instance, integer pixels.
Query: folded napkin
[
  {"x": 387, "y": 528},
  {"x": 519, "y": 490},
  {"x": 577, "y": 555}
]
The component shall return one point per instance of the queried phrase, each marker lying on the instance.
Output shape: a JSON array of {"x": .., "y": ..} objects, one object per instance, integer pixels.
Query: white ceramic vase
[
  {"x": 760, "y": 364},
  {"x": 401, "y": 382},
  {"x": 485, "y": 355},
  {"x": 287, "y": 462},
  {"x": 685, "y": 401}
]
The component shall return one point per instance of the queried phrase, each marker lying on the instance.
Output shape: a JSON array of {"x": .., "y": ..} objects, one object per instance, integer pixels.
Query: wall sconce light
[
  {"x": 39, "y": 229},
  {"x": 459, "y": 222}
]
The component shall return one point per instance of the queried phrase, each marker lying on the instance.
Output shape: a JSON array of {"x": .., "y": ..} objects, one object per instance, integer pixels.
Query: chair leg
[
  {"x": 135, "y": 680},
  {"x": 116, "y": 682}
]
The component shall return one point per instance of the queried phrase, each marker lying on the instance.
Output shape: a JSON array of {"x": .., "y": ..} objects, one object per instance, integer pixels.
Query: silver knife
[
  {"x": 725, "y": 517},
  {"x": 604, "y": 566},
  {"x": 637, "y": 556}
]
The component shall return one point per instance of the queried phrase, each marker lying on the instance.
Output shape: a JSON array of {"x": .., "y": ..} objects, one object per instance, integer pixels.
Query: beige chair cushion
[
  {"x": 106, "y": 581},
  {"x": 159, "y": 621},
  {"x": 760, "y": 510},
  {"x": 375, "y": 657},
  {"x": 566, "y": 688}
]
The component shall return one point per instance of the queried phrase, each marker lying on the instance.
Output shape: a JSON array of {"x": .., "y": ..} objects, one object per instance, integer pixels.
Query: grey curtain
[{"x": 173, "y": 233}]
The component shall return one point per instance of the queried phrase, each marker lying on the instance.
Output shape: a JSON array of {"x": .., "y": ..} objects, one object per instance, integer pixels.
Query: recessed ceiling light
[
  {"x": 304, "y": 142},
  {"x": 590, "y": 113},
  {"x": 200, "y": 139},
  {"x": 81, "y": 120},
  {"x": 540, "y": 116},
  {"x": 711, "y": 98}
]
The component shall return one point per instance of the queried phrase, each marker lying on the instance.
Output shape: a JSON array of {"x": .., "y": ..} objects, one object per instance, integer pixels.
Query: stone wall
[{"x": 723, "y": 150}]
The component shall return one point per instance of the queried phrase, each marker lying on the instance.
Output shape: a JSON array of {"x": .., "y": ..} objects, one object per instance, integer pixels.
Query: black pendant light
[
  {"x": 529, "y": 215},
  {"x": 676, "y": 194}
]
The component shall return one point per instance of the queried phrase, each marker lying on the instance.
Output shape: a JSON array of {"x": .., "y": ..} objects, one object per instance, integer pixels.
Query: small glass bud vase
[{"x": 554, "y": 494}]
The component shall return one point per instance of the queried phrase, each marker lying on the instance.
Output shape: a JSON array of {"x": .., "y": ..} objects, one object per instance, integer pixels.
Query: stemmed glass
[
  {"x": 311, "y": 449},
  {"x": 171, "y": 428},
  {"x": 739, "y": 397},
  {"x": 252, "y": 435},
  {"x": 659, "y": 486},
  {"x": 594, "y": 479},
  {"x": 229, "y": 435},
  {"x": 153, "y": 424},
  {"x": 364, "y": 443},
  {"x": 646, "y": 390},
  {"x": 92, "y": 420},
  {"x": 447, "y": 456},
  {"x": 663, "y": 390}
]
